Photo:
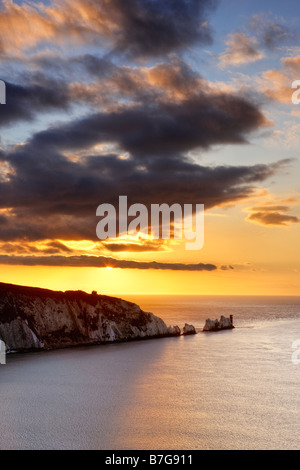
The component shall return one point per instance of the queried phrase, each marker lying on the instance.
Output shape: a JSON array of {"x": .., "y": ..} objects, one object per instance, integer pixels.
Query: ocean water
[{"x": 235, "y": 389}]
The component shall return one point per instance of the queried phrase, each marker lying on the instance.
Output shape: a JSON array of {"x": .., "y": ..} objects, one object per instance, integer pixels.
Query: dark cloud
[
  {"x": 100, "y": 262},
  {"x": 226, "y": 267},
  {"x": 151, "y": 28},
  {"x": 134, "y": 247},
  {"x": 148, "y": 119},
  {"x": 58, "y": 246},
  {"x": 23, "y": 102},
  {"x": 54, "y": 183},
  {"x": 101, "y": 67},
  {"x": 137, "y": 28},
  {"x": 15, "y": 248},
  {"x": 27, "y": 248},
  {"x": 54, "y": 197},
  {"x": 106, "y": 82},
  {"x": 162, "y": 128},
  {"x": 275, "y": 34}
]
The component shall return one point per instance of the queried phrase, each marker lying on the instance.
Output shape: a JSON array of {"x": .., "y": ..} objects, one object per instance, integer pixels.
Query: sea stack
[
  {"x": 188, "y": 330},
  {"x": 217, "y": 325}
]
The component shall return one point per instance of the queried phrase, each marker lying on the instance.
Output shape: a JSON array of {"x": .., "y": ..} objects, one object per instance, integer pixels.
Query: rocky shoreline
[{"x": 34, "y": 319}]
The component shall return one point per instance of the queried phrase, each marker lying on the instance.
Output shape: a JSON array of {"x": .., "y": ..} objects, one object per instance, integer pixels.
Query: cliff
[{"x": 35, "y": 319}]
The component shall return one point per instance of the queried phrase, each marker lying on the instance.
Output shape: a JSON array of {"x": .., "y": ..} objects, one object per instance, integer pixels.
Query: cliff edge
[{"x": 35, "y": 319}]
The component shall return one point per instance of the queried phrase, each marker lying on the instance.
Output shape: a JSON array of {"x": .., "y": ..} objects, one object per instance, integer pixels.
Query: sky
[{"x": 180, "y": 101}]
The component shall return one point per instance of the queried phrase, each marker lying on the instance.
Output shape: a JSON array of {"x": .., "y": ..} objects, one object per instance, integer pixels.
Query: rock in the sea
[
  {"x": 217, "y": 325},
  {"x": 174, "y": 330},
  {"x": 188, "y": 330},
  {"x": 225, "y": 323},
  {"x": 211, "y": 325},
  {"x": 33, "y": 319}
]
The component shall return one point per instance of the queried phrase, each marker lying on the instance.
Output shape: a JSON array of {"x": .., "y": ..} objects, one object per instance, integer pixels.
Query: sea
[{"x": 228, "y": 390}]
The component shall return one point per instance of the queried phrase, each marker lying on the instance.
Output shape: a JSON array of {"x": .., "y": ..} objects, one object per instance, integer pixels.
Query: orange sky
[
  {"x": 201, "y": 114},
  {"x": 264, "y": 259}
]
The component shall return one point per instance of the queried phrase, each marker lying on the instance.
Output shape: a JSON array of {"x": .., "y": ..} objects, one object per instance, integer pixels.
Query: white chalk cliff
[{"x": 33, "y": 319}]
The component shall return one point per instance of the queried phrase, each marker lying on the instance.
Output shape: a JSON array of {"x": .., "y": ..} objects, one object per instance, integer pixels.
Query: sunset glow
[{"x": 95, "y": 111}]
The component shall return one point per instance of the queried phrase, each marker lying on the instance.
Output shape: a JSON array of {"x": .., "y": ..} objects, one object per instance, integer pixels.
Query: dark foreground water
[{"x": 229, "y": 390}]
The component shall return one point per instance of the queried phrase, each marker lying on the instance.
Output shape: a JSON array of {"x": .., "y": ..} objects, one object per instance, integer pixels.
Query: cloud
[
  {"x": 226, "y": 267},
  {"x": 25, "y": 101},
  {"x": 276, "y": 84},
  {"x": 140, "y": 247},
  {"x": 138, "y": 28},
  {"x": 137, "y": 145},
  {"x": 58, "y": 246},
  {"x": 144, "y": 122},
  {"x": 54, "y": 197},
  {"x": 100, "y": 262},
  {"x": 107, "y": 84},
  {"x": 161, "y": 127},
  {"x": 271, "y": 32},
  {"x": 107, "y": 81},
  {"x": 269, "y": 214},
  {"x": 23, "y": 248},
  {"x": 27, "y": 248},
  {"x": 166, "y": 92},
  {"x": 273, "y": 218},
  {"x": 241, "y": 49},
  {"x": 263, "y": 32},
  {"x": 153, "y": 28},
  {"x": 291, "y": 63}
]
